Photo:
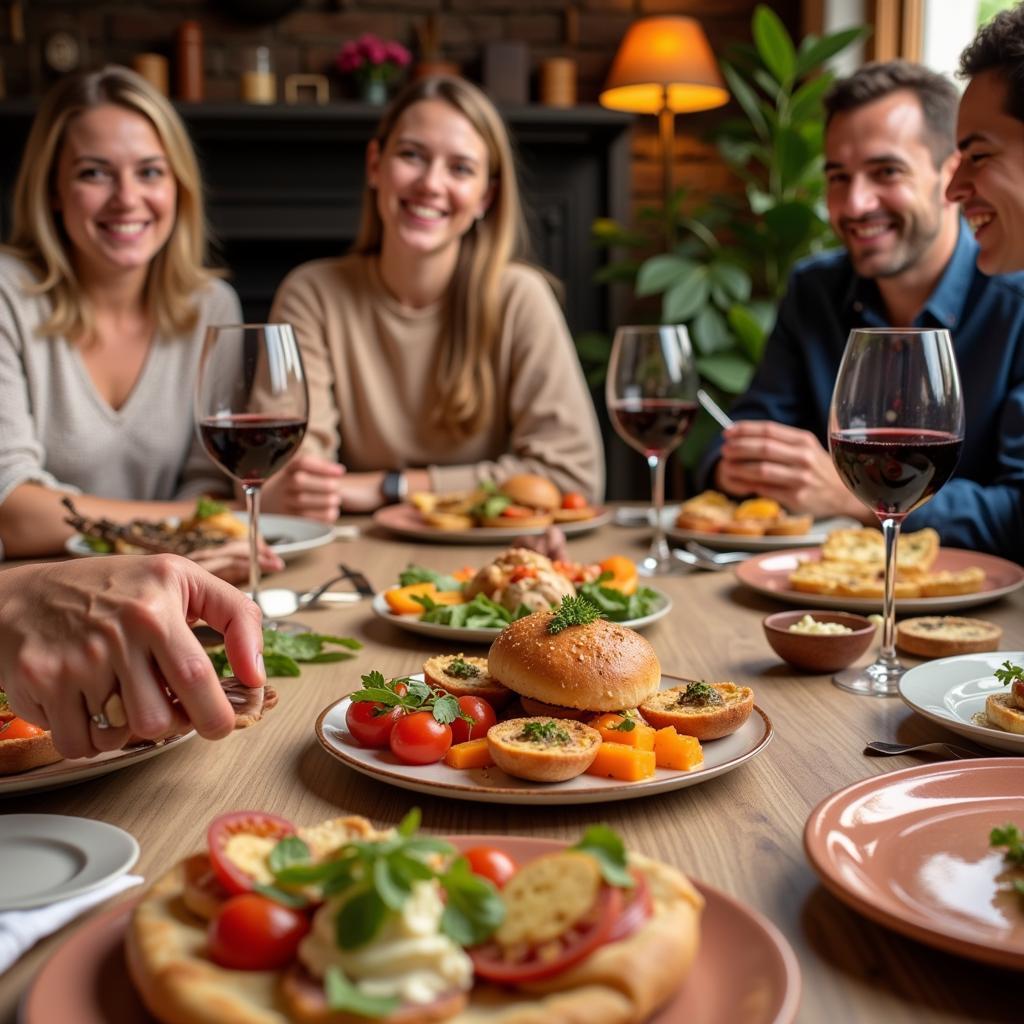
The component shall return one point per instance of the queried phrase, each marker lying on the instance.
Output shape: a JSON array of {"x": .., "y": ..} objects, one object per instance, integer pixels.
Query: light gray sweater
[{"x": 56, "y": 429}]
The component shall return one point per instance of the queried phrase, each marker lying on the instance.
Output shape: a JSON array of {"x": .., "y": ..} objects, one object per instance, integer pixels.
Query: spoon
[
  {"x": 720, "y": 558},
  {"x": 877, "y": 748},
  {"x": 278, "y": 601}
]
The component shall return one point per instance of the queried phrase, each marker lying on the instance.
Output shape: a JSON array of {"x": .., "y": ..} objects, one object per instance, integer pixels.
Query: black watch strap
[{"x": 394, "y": 487}]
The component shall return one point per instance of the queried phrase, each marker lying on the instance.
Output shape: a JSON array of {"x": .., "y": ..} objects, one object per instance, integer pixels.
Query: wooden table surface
[{"x": 741, "y": 832}]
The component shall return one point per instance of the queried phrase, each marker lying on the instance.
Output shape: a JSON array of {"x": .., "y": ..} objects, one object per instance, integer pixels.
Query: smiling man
[{"x": 908, "y": 260}]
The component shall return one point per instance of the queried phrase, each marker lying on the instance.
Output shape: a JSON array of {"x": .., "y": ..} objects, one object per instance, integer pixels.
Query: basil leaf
[
  {"x": 359, "y": 919},
  {"x": 408, "y": 825},
  {"x": 605, "y": 846},
  {"x": 341, "y": 994},
  {"x": 288, "y": 852},
  {"x": 446, "y": 710},
  {"x": 392, "y": 888},
  {"x": 473, "y": 909},
  {"x": 280, "y": 665},
  {"x": 378, "y": 694},
  {"x": 295, "y": 900}
]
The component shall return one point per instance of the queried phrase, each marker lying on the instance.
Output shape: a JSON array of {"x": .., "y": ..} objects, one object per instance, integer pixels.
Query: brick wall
[{"x": 307, "y": 38}]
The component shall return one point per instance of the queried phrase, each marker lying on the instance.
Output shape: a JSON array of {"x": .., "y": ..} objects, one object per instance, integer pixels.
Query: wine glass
[
  {"x": 651, "y": 390},
  {"x": 896, "y": 427},
  {"x": 251, "y": 410}
]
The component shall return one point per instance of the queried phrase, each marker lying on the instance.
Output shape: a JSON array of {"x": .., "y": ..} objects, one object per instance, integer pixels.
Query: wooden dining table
[{"x": 741, "y": 832}]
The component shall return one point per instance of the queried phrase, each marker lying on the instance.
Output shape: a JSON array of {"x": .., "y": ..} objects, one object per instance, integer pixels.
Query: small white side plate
[{"x": 51, "y": 857}]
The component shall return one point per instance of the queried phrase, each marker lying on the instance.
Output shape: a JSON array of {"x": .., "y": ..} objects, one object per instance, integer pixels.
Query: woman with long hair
[
  {"x": 437, "y": 357},
  {"x": 104, "y": 301}
]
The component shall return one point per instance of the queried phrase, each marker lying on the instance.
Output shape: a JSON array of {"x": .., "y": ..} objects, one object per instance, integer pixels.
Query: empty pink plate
[
  {"x": 745, "y": 969},
  {"x": 910, "y": 850}
]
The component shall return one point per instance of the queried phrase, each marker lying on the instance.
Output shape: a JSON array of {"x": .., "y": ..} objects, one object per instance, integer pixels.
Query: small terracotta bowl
[{"x": 826, "y": 653}]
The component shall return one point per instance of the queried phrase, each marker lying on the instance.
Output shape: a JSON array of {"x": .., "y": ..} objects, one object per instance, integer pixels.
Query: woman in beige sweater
[
  {"x": 104, "y": 301},
  {"x": 436, "y": 356}
]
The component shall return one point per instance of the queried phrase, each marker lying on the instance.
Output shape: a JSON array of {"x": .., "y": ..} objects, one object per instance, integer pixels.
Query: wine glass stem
[
  {"x": 891, "y": 533},
  {"x": 252, "y": 506},
  {"x": 659, "y": 546}
]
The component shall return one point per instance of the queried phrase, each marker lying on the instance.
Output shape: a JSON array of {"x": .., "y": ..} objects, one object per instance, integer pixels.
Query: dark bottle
[{"x": 190, "y": 62}]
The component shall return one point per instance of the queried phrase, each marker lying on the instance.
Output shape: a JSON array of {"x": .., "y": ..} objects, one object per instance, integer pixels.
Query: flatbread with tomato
[{"x": 625, "y": 955}]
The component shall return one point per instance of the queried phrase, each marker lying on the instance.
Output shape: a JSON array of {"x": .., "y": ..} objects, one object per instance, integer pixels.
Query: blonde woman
[
  {"x": 104, "y": 301},
  {"x": 436, "y": 356}
]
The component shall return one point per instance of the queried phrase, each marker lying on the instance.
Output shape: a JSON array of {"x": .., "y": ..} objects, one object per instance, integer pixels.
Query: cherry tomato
[
  {"x": 490, "y": 862},
  {"x": 419, "y": 738},
  {"x": 573, "y": 499},
  {"x": 1018, "y": 691},
  {"x": 371, "y": 722},
  {"x": 637, "y": 909},
  {"x": 19, "y": 729},
  {"x": 483, "y": 718},
  {"x": 490, "y": 961},
  {"x": 253, "y": 933},
  {"x": 234, "y": 878}
]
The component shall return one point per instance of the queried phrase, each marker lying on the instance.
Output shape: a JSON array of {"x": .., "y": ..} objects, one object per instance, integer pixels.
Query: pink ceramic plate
[
  {"x": 769, "y": 574},
  {"x": 745, "y": 969},
  {"x": 909, "y": 849},
  {"x": 407, "y": 522}
]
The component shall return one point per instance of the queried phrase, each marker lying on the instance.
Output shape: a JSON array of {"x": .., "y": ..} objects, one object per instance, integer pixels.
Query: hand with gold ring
[{"x": 101, "y": 649}]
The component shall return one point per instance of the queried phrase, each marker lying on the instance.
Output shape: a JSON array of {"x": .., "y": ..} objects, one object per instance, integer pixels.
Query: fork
[
  {"x": 878, "y": 748},
  {"x": 359, "y": 581},
  {"x": 718, "y": 557}
]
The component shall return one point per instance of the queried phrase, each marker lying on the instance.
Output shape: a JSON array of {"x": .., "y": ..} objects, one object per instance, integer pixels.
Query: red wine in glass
[
  {"x": 250, "y": 446},
  {"x": 654, "y": 426},
  {"x": 894, "y": 470}
]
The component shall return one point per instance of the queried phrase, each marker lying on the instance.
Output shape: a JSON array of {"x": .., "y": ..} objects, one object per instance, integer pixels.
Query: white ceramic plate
[
  {"x": 64, "y": 773},
  {"x": 769, "y": 574},
  {"x": 50, "y": 857},
  {"x": 493, "y": 786},
  {"x": 291, "y": 535},
  {"x": 952, "y": 691},
  {"x": 406, "y": 521},
  {"x": 819, "y": 532},
  {"x": 483, "y": 635}
]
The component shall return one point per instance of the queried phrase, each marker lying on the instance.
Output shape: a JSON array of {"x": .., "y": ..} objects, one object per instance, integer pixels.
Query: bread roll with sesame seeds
[{"x": 601, "y": 666}]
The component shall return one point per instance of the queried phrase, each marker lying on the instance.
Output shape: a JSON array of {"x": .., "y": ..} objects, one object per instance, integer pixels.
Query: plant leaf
[
  {"x": 774, "y": 45},
  {"x": 732, "y": 279},
  {"x": 711, "y": 331},
  {"x": 747, "y": 99},
  {"x": 685, "y": 297},
  {"x": 607, "y": 848},
  {"x": 815, "y": 52},
  {"x": 806, "y": 101},
  {"x": 749, "y": 333},
  {"x": 726, "y": 370},
  {"x": 660, "y": 272},
  {"x": 359, "y": 919}
]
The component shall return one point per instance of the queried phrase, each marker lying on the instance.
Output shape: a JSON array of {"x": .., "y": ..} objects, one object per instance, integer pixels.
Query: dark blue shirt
[{"x": 982, "y": 507}]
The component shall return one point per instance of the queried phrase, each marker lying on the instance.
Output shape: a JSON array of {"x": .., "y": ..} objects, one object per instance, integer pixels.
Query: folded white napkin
[{"x": 20, "y": 930}]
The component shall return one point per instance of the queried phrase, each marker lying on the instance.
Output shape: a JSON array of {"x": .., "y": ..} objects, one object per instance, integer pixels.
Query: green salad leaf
[
  {"x": 607, "y": 848},
  {"x": 617, "y": 606},
  {"x": 282, "y": 653},
  {"x": 418, "y": 574},
  {"x": 480, "y": 613},
  {"x": 343, "y": 995}
]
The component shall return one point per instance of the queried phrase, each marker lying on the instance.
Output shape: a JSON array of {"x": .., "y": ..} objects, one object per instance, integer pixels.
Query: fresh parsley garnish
[
  {"x": 283, "y": 653},
  {"x": 699, "y": 695},
  {"x": 605, "y": 846},
  {"x": 206, "y": 508},
  {"x": 573, "y": 611},
  {"x": 1010, "y": 836},
  {"x": 1008, "y": 672},
  {"x": 461, "y": 669},
  {"x": 626, "y": 725},
  {"x": 544, "y": 732},
  {"x": 411, "y": 695}
]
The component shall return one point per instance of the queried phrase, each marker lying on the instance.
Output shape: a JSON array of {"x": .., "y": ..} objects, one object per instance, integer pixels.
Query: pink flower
[
  {"x": 397, "y": 54},
  {"x": 371, "y": 57}
]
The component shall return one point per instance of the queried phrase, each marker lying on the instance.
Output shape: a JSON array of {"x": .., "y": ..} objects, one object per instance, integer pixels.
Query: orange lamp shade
[{"x": 664, "y": 53}]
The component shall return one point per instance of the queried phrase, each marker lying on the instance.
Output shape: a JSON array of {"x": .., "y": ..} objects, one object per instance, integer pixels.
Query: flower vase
[{"x": 375, "y": 92}]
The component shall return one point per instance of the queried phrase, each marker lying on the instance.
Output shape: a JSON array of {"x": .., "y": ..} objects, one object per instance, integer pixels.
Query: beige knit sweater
[{"x": 370, "y": 364}]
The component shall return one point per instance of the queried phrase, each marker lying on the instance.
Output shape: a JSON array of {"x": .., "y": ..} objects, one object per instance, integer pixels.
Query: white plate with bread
[
  {"x": 718, "y": 541},
  {"x": 491, "y": 785},
  {"x": 484, "y": 635},
  {"x": 954, "y": 692}
]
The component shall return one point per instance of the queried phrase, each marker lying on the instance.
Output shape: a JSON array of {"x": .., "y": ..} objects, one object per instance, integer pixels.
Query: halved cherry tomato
[
  {"x": 19, "y": 729},
  {"x": 490, "y": 862},
  {"x": 573, "y": 499},
  {"x": 1018, "y": 691},
  {"x": 517, "y": 512},
  {"x": 253, "y": 933},
  {"x": 491, "y": 963},
  {"x": 482, "y": 714},
  {"x": 419, "y": 738},
  {"x": 371, "y": 722},
  {"x": 234, "y": 878},
  {"x": 637, "y": 909}
]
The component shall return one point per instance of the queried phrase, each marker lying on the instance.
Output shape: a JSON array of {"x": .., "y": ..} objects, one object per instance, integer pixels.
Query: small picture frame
[{"x": 307, "y": 89}]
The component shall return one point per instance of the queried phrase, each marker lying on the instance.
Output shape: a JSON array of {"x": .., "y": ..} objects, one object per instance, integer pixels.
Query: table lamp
[{"x": 664, "y": 66}]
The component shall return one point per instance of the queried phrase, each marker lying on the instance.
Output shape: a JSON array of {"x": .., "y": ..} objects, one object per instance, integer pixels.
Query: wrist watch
[{"x": 394, "y": 487}]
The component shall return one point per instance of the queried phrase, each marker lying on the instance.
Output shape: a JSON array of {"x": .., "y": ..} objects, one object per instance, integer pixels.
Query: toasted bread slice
[
  {"x": 26, "y": 753},
  {"x": 915, "y": 552},
  {"x": 543, "y": 749},
  {"x": 1003, "y": 712},
  {"x": 942, "y": 636},
  {"x": 473, "y": 680},
  {"x": 448, "y": 520},
  {"x": 790, "y": 526},
  {"x": 946, "y": 583},
  {"x": 706, "y": 721}
]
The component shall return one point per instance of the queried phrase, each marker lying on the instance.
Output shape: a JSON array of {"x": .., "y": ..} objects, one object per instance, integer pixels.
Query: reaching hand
[
  {"x": 784, "y": 463},
  {"x": 308, "y": 486},
  {"x": 73, "y": 634},
  {"x": 230, "y": 561}
]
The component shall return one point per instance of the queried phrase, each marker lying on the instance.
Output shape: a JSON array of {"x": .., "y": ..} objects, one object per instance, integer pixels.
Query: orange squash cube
[
  {"x": 674, "y": 750},
  {"x": 640, "y": 736},
  {"x": 627, "y": 764}
]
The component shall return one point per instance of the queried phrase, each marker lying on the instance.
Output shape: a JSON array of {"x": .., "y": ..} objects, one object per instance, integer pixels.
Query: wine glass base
[
  {"x": 286, "y": 628},
  {"x": 882, "y": 679},
  {"x": 664, "y": 565}
]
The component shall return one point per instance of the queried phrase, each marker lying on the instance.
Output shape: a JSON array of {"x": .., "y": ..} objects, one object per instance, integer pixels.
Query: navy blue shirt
[{"x": 982, "y": 506}]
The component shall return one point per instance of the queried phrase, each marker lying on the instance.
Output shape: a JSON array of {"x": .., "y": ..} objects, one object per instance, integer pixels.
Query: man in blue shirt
[{"x": 908, "y": 260}]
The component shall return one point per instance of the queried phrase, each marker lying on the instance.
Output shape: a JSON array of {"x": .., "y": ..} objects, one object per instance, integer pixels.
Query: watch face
[{"x": 62, "y": 52}]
